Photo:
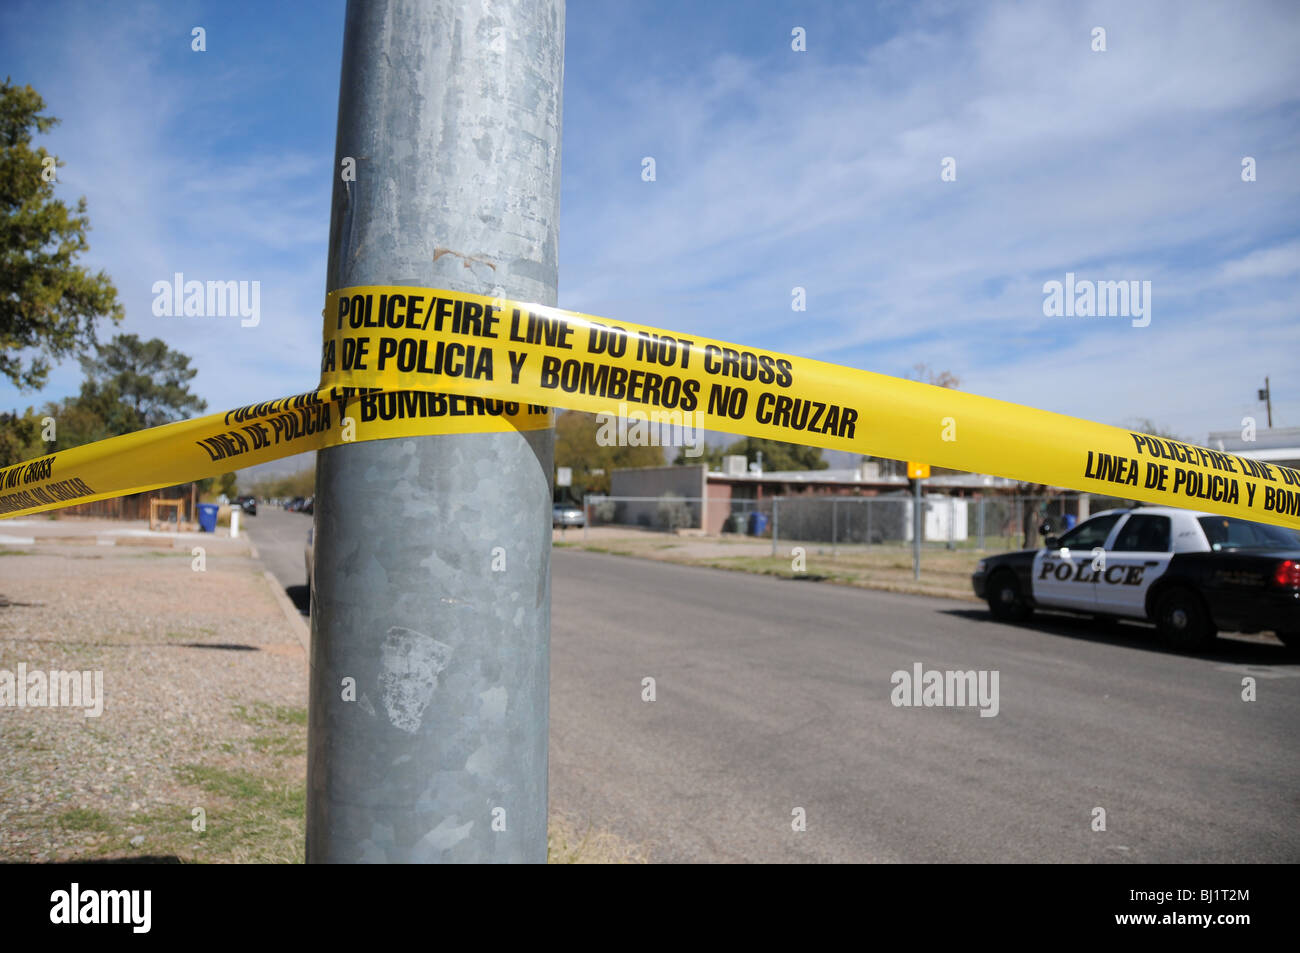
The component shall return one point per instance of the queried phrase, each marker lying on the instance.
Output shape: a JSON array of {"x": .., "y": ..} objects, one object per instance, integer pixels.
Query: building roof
[
  {"x": 1270, "y": 443},
  {"x": 853, "y": 476}
]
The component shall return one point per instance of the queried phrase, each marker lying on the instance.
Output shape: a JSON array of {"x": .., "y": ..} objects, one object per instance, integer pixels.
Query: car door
[
  {"x": 1063, "y": 576},
  {"x": 1137, "y": 557}
]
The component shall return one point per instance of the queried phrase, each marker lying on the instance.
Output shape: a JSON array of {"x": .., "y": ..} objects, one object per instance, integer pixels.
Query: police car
[{"x": 1190, "y": 573}]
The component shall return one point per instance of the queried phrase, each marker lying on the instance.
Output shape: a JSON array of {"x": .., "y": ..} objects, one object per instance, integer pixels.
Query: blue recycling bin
[
  {"x": 208, "y": 517},
  {"x": 757, "y": 523},
  {"x": 1070, "y": 520}
]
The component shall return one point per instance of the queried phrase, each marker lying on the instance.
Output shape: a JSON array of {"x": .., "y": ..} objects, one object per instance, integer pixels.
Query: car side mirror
[
  {"x": 1044, "y": 528},
  {"x": 1052, "y": 542}
]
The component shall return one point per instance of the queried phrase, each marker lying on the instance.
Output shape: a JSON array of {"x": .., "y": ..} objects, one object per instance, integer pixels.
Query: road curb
[{"x": 300, "y": 629}]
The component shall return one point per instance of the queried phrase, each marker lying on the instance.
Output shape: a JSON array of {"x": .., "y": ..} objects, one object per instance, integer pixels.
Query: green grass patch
[
  {"x": 205, "y": 630},
  {"x": 271, "y": 722},
  {"x": 779, "y": 567},
  {"x": 262, "y": 715},
  {"x": 25, "y": 740},
  {"x": 944, "y": 573},
  {"x": 85, "y": 819},
  {"x": 284, "y": 746},
  {"x": 250, "y": 817}
]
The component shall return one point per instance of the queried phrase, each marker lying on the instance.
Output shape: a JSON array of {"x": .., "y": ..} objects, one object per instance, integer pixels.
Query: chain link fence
[
  {"x": 953, "y": 522},
  {"x": 667, "y": 513}
]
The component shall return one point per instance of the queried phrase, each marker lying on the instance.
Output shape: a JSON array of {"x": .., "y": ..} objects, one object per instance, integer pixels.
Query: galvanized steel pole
[{"x": 431, "y": 635}]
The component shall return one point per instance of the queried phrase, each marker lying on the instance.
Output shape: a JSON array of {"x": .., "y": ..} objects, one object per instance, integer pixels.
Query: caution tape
[
  {"x": 244, "y": 437},
  {"x": 396, "y": 359}
]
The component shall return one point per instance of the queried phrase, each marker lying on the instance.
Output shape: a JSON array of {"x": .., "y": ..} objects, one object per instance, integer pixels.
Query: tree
[
  {"x": 710, "y": 456},
  {"x": 302, "y": 483},
  {"x": 229, "y": 486},
  {"x": 89, "y": 417},
  {"x": 20, "y": 437},
  {"x": 777, "y": 454},
  {"x": 577, "y": 445},
  {"x": 926, "y": 375},
  {"x": 130, "y": 385},
  {"x": 48, "y": 304},
  {"x": 1148, "y": 426},
  {"x": 147, "y": 380}
]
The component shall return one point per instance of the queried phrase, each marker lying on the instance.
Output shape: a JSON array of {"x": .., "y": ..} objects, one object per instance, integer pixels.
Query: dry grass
[
  {"x": 568, "y": 842},
  {"x": 944, "y": 573}
]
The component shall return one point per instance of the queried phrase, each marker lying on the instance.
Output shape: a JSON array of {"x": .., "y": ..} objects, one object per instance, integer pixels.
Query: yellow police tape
[{"x": 405, "y": 361}]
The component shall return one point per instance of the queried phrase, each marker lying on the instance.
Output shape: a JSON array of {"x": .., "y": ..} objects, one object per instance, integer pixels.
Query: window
[
  {"x": 1226, "y": 532},
  {"x": 1091, "y": 534},
  {"x": 1144, "y": 534}
]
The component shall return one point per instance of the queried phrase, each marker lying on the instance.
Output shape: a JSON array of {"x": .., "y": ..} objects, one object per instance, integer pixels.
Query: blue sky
[{"x": 775, "y": 169}]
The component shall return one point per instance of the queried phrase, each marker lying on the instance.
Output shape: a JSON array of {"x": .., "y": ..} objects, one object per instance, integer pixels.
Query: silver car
[{"x": 566, "y": 514}]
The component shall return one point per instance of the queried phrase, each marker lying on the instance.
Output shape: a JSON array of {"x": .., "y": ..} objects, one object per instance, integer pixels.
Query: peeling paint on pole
[{"x": 450, "y": 113}]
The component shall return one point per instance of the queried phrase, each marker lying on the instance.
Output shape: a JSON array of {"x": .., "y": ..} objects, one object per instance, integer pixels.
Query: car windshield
[
  {"x": 1091, "y": 534},
  {"x": 1227, "y": 532}
]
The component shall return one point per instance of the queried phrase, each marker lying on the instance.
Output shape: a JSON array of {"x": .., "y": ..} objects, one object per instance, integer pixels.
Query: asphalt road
[
  {"x": 280, "y": 538},
  {"x": 772, "y": 696}
]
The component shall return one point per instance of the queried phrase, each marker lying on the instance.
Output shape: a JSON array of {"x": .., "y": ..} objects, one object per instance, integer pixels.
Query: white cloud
[
  {"x": 1123, "y": 164},
  {"x": 1280, "y": 261},
  {"x": 819, "y": 170}
]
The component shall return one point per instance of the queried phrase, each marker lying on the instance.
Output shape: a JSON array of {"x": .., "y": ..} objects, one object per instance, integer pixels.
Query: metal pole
[
  {"x": 586, "y": 516},
  {"x": 430, "y": 644},
  {"x": 980, "y": 546},
  {"x": 868, "y": 523},
  {"x": 776, "y": 502},
  {"x": 916, "y": 529},
  {"x": 834, "y": 525}
]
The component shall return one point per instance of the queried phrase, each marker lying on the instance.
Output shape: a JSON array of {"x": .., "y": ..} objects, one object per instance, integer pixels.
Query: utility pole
[
  {"x": 432, "y": 554},
  {"x": 1266, "y": 395}
]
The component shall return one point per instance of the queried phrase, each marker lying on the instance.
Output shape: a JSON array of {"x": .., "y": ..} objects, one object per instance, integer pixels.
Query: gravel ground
[
  {"x": 205, "y": 695},
  {"x": 205, "y": 704}
]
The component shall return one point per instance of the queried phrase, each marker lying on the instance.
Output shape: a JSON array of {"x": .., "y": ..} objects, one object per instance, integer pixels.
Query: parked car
[
  {"x": 566, "y": 514},
  {"x": 1189, "y": 572},
  {"x": 247, "y": 503}
]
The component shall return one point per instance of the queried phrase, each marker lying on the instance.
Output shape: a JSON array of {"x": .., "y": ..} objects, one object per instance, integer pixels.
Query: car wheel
[
  {"x": 1007, "y": 600},
  {"x": 1182, "y": 619}
]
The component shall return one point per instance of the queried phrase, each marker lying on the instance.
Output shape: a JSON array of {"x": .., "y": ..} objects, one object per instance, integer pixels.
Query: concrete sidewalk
[{"x": 83, "y": 530}]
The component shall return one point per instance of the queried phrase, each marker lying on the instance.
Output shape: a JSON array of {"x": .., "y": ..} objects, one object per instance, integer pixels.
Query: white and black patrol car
[{"x": 1190, "y": 573}]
